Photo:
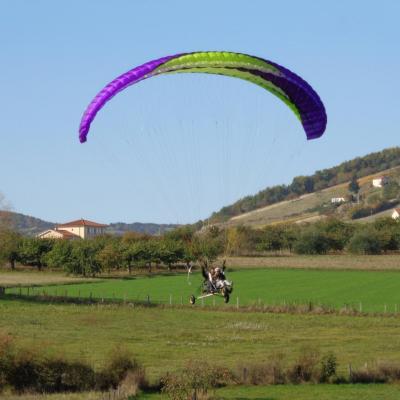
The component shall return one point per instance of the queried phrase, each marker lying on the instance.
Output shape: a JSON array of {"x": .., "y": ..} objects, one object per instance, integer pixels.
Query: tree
[
  {"x": 366, "y": 241},
  {"x": 60, "y": 254},
  {"x": 272, "y": 238},
  {"x": 10, "y": 242},
  {"x": 206, "y": 250},
  {"x": 312, "y": 241},
  {"x": 83, "y": 260},
  {"x": 110, "y": 256},
  {"x": 133, "y": 253},
  {"x": 33, "y": 251},
  {"x": 391, "y": 190},
  {"x": 354, "y": 187},
  {"x": 170, "y": 252},
  {"x": 337, "y": 232}
]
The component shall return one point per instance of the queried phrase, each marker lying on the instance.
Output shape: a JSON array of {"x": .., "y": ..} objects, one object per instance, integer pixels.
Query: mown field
[
  {"x": 289, "y": 392},
  {"x": 330, "y": 261},
  {"x": 367, "y": 291},
  {"x": 164, "y": 339}
]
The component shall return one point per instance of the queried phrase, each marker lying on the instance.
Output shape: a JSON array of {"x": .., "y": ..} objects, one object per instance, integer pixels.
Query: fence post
[
  {"x": 202, "y": 302},
  {"x": 237, "y": 302},
  {"x": 181, "y": 300},
  {"x": 385, "y": 308},
  {"x": 360, "y": 306},
  {"x": 148, "y": 299}
]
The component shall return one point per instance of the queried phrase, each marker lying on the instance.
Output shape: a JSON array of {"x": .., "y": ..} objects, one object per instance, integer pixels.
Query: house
[
  {"x": 396, "y": 213},
  {"x": 79, "y": 229},
  {"x": 337, "y": 200},
  {"x": 379, "y": 181},
  {"x": 57, "y": 234}
]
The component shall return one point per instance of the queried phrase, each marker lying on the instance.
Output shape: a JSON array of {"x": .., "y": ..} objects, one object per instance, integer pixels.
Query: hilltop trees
[{"x": 344, "y": 172}]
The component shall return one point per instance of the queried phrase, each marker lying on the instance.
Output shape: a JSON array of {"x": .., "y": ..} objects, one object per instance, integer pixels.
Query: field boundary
[{"x": 258, "y": 307}]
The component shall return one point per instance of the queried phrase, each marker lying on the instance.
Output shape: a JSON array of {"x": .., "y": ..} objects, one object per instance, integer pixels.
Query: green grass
[
  {"x": 165, "y": 339},
  {"x": 371, "y": 290},
  {"x": 313, "y": 392},
  {"x": 304, "y": 392}
]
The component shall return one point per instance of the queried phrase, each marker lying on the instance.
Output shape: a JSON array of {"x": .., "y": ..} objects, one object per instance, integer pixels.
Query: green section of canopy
[{"x": 228, "y": 64}]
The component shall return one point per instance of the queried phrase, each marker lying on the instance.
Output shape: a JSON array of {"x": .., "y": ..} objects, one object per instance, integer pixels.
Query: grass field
[
  {"x": 165, "y": 338},
  {"x": 305, "y": 392},
  {"x": 367, "y": 291},
  {"x": 358, "y": 262},
  {"x": 23, "y": 277}
]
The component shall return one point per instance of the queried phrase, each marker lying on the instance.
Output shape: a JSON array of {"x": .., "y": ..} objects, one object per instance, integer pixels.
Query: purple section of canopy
[
  {"x": 299, "y": 92},
  {"x": 302, "y": 95},
  {"x": 114, "y": 87}
]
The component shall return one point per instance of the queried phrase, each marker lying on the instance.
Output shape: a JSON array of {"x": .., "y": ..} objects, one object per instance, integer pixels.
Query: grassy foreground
[
  {"x": 163, "y": 339},
  {"x": 289, "y": 392},
  {"x": 367, "y": 291}
]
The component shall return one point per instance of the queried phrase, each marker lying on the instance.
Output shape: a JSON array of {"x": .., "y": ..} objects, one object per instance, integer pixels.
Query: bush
[
  {"x": 305, "y": 368},
  {"x": 328, "y": 368},
  {"x": 312, "y": 242},
  {"x": 117, "y": 368},
  {"x": 267, "y": 373},
  {"x": 366, "y": 242},
  {"x": 196, "y": 379},
  {"x": 26, "y": 371}
]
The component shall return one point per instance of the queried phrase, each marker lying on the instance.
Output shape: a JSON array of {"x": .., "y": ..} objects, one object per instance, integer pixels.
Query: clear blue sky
[{"x": 176, "y": 148}]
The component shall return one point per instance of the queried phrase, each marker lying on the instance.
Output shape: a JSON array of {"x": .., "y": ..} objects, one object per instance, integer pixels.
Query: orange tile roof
[
  {"x": 67, "y": 234},
  {"x": 81, "y": 222}
]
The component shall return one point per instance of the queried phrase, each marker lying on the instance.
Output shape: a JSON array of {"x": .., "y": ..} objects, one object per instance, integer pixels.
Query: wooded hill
[{"x": 317, "y": 183}]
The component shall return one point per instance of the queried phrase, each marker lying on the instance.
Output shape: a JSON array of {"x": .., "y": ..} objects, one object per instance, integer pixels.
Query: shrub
[
  {"x": 390, "y": 370},
  {"x": 328, "y": 368},
  {"x": 26, "y": 371},
  {"x": 304, "y": 369},
  {"x": 366, "y": 242},
  {"x": 116, "y": 370},
  {"x": 196, "y": 379},
  {"x": 312, "y": 242},
  {"x": 270, "y": 372}
]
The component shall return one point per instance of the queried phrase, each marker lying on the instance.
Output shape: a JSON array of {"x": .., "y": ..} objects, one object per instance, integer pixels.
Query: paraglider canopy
[{"x": 286, "y": 85}]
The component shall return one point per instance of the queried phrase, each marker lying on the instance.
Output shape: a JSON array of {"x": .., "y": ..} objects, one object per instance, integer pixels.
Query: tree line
[
  {"x": 185, "y": 246},
  {"x": 344, "y": 172},
  {"x": 109, "y": 253}
]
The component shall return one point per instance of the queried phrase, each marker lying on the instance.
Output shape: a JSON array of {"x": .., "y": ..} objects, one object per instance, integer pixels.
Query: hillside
[
  {"x": 329, "y": 178},
  {"x": 314, "y": 206},
  {"x": 31, "y": 226}
]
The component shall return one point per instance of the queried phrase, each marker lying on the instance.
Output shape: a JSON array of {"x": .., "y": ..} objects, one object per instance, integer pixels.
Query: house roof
[
  {"x": 81, "y": 222},
  {"x": 66, "y": 234}
]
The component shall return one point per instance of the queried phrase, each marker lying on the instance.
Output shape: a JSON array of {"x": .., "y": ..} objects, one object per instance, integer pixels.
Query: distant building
[
  {"x": 79, "y": 229},
  {"x": 337, "y": 200},
  {"x": 396, "y": 213},
  {"x": 380, "y": 181}
]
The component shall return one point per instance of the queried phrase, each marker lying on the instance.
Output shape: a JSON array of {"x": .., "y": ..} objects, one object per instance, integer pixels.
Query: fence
[{"x": 63, "y": 295}]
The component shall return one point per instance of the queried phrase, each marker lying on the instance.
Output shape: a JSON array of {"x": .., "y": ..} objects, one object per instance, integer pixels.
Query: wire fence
[{"x": 58, "y": 294}]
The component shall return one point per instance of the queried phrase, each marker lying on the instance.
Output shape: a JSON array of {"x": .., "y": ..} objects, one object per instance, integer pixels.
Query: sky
[{"x": 173, "y": 149}]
